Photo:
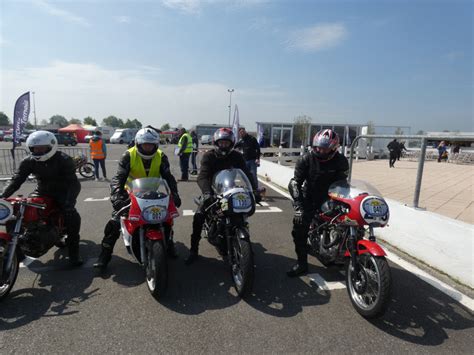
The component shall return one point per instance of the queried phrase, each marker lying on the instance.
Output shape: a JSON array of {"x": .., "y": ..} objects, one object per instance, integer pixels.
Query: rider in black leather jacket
[
  {"x": 55, "y": 173},
  {"x": 314, "y": 173}
]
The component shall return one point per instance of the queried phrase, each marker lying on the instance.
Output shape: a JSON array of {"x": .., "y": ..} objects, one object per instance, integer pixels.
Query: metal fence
[
  {"x": 421, "y": 155},
  {"x": 8, "y": 164}
]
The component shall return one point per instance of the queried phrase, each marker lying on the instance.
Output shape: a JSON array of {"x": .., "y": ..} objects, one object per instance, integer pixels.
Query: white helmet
[
  {"x": 147, "y": 135},
  {"x": 42, "y": 139}
]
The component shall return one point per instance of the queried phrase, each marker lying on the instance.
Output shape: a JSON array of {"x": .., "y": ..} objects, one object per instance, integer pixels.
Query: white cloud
[
  {"x": 123, "y": 19},
  {"x": 86, "y": 89},
  {"x": 187, "y": 6},
  {"x": 65, "y": 15},
  {"x": 319, "y": 37}
]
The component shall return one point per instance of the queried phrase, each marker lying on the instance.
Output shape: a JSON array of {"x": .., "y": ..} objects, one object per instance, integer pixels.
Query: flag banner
[
  {"x": 20, "y": 116},
  {"x": 260, "y": 135},
  {"x": 235, "y": 124}
]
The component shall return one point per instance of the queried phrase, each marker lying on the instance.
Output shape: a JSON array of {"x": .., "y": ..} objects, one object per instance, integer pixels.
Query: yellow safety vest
[
  {"x": 189, "y": 146},
  {"x": 137, "y": 169},
  {"x": 96, "y": 149}
]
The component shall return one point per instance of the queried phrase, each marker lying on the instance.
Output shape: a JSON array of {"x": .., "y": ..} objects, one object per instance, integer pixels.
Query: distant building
[{"x": 208, "y": 129}]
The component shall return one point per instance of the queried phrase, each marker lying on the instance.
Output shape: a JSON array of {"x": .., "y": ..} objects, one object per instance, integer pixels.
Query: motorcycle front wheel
[
  {"x": 87, "y": 170},
  {"x": 242, "y": 264},
  {"x": 156, "y": 269},
  {"x": 7, "y": 281},
  {"x": 369, "y": 289}
]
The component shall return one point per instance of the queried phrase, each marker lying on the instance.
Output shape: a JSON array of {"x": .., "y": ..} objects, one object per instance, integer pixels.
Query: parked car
[
  {"x": 206, "y": 139},
  {"x": 123, "y": 135},
  {"x": 9, "y": 138},
  {"x": 65, "y": 139}
]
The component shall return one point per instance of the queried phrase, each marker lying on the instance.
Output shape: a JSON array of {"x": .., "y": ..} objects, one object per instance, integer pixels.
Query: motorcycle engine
[
  {"x": 38, "y": 239},
  {"x": 325, "y": 241}
]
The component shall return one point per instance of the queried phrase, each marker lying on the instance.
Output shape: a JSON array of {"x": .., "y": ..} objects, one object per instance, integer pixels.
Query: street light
[{"x": 230, "y": 91}]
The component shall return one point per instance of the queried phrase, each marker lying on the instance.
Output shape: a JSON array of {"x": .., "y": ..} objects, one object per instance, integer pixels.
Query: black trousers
[
  {"x": 198, "y": 222},
  {"x": 300, "y": 236},
  {"x": 393, "y": 159}
]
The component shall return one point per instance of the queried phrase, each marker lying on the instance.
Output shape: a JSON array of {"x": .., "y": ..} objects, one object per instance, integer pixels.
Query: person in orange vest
[{"x": 98, "y": 154}]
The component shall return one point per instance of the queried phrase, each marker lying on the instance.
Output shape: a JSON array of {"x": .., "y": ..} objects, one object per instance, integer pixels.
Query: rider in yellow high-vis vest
[
  {"x": 185, "y": 146},
  {"x": 142, "y": 160}
]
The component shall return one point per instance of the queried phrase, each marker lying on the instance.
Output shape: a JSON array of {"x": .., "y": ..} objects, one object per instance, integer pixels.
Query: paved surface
[
  {"x": 446, "y": 189},
  {"x": 55, "y": 310}
]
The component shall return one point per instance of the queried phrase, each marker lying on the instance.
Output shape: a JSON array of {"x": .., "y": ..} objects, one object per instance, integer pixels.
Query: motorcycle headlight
[
  {"x": 241, "y": 201},
  {"x": 375, "y": 211},
  {"x": 155, "y": 214},
  {"x": 6, "y": 211}
]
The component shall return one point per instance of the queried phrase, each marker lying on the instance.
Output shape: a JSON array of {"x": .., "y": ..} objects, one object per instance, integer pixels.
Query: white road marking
[
  {"x": 269, "y": 210},
  {"x": 90, "y": 199},
  {"x": 433, "y": 281},
  {"x": 27, "y": 261},
  {"x": 326, "y": 285},
  {"x": 440, "y": 285},
  {"x": 280, "y": 191},
  {"x": 264, "y": 204}
]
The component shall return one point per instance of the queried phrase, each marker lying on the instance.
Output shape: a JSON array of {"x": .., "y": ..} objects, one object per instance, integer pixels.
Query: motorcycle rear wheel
[
  {"x": 242, "y": 267},
  {"x": 87, "y": 170},
  {"x": 370, "y": 291},
  {"x": 157, "y": 269},
  {"x": 6, "y": 287}
]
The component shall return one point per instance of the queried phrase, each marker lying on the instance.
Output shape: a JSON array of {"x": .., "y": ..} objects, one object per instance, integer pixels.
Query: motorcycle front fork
[
  {"x": 352, "y": 246},
  {"x": 14, "y": 241},
  {"x": 143, "y": 240}
]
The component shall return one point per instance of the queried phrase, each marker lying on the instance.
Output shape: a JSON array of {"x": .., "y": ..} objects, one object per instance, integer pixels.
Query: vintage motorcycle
[
  {"x": 83, "y": 167},
  {"x": 226, "y": 225},
  {"x": 33, "y": 225},
  {"x": 337, "y": 236},
  {"x": 146, "y": 225}
]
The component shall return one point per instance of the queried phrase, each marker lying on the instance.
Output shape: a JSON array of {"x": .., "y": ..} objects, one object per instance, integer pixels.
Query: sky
[{"x": 397, "y": 63}]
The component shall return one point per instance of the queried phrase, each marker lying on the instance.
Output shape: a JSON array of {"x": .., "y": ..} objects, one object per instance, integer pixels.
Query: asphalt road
[{"x": 54, "y": 309}]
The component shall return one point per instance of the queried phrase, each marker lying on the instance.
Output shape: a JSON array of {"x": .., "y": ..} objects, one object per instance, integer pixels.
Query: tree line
[{"x": 61, "y": 121}]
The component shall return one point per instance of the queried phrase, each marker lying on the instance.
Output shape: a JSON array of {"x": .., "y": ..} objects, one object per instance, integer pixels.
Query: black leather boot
[
  {"x": 171, "y": 250},
  {"x": 300, "y": 268},
  {"x": 104, "y": 258},
  {"x": 192, "y": 257},
  {"x": 74, "y": 258}
]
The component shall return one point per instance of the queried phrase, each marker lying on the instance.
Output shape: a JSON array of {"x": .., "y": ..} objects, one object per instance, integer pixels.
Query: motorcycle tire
[
  {"x": 242, "y": 266},
  {"x": 7, "y": 285},
  {"x": 370, "y": 293},
  {"x": 87, "y": 170},
  {"x": 157, "y": 269}
]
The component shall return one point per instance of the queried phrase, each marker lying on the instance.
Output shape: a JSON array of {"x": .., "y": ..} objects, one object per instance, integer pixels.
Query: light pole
[
  {"x": 34, "y": 110},
  {"x": 230, "y": 91}
]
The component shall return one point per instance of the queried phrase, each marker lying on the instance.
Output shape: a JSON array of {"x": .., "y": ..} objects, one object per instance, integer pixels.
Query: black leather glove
[
  {"x": 298, "y": 217},
  {"x": 177, "y": 200},
  {"x": 118, "y": 204},
  {"x": 207, "y": 200}
]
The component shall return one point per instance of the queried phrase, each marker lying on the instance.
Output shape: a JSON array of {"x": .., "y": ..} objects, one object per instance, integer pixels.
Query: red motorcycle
[
  {"x": 33, "y": 225},
  {"x": 337, "y": 236},
  {"x": 147, "y": 227}
]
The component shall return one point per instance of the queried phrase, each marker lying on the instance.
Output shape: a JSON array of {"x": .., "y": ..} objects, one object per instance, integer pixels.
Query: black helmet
[{"x": 224, "y": 134}]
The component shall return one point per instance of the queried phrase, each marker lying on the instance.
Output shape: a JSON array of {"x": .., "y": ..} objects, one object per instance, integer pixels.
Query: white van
[
  {"x": 107, "y": 132},
  {"x": 123, "y": 135}
]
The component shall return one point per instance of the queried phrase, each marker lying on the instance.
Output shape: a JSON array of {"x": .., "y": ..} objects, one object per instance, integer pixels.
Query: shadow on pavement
[
  {"x": 204, "y": 285},
  {"x": 276, "y": 294},
  {"x": 421, "y": 314},
  {"x": 57, "y": 290}
]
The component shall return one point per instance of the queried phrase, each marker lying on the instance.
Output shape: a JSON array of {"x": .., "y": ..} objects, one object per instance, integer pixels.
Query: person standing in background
[
  {"x": 195, "y": 152},
  {"x": 185, "y": 148},
  {"x": 251, "y": 152},
  {"x": 98, "y": 154},
  {"x": 393, "y": 148}
]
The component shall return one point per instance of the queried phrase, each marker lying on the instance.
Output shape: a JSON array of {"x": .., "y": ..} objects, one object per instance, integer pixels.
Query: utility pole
[
  {"x": 230, "y": 91},
  {"x": 34, "y": 110}
]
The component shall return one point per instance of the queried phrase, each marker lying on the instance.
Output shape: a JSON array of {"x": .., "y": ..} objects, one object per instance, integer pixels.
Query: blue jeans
[
  {"x": 102, "y": 165},
  {"x": 252, "y": 166},
  {"x": 193, "y": 161},
  {"x": 184, "y": 164}
]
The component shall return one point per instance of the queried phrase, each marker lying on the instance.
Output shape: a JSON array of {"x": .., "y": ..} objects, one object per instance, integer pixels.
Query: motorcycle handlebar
[{"x": 34, "y": 205}]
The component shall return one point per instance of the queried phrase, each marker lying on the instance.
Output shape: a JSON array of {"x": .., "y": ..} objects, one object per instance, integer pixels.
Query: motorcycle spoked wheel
[
  {"x": 7, "y": 285},
  {"x": 369, "y": 292},
  {"x": 242, "y": 266},
  {"x": 87, "y": 170},
  {"x": 157, "y": 269}
]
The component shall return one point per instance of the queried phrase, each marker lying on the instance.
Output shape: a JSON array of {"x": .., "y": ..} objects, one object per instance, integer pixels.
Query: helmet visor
[{"x": 39, "y": 150}]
